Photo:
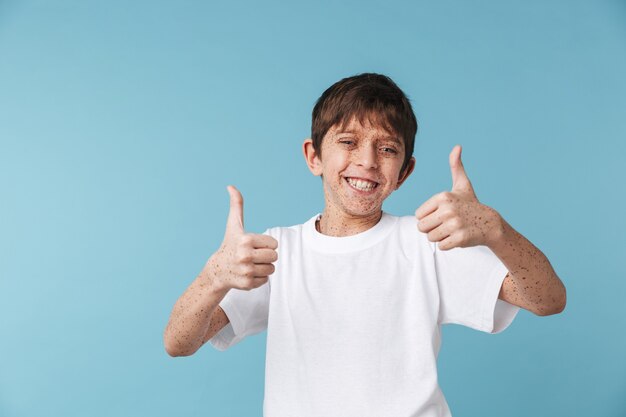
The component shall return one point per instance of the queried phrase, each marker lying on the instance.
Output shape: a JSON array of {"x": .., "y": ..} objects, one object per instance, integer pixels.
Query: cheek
[
  {"x": 392, "y": 173},
  {"x": 337, "y": 165}
]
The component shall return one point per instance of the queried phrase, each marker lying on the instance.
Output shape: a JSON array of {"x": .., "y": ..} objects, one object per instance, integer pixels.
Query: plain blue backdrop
[{"x": 122, "y": 123}]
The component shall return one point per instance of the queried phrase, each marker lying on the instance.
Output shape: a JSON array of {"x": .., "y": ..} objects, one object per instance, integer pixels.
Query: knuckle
[
  {"x": 247, "y": 271},
  {"x": 455, "y": 222},
  {"x": 243, "y": 257},
  {"x": 259, "y": 281},
  {"x": 246, "y": 239},
  {"x": 447, "y": 196}
]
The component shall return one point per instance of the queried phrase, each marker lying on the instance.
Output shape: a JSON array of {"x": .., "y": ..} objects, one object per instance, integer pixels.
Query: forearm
[
  {"x": 191, "y": 316},
  {"x": 534, "y": 282}
]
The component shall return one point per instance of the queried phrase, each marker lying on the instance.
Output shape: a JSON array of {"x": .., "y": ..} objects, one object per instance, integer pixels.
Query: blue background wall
[{"x": 121, "y": 123}]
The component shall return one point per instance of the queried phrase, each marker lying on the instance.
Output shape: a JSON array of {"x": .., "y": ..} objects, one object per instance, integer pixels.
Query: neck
[{"x": 333, "y": 224}]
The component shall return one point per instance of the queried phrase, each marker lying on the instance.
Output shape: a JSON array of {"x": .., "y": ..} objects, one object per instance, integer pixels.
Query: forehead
[
  {"x": 368, "y": 125},
  {"x": 374, "y": 127}
]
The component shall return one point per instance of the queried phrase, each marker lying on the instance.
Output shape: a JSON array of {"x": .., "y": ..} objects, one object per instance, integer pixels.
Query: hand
[
  {"x": 244, "y": 260},
  {"x": 456, "y": 218}
]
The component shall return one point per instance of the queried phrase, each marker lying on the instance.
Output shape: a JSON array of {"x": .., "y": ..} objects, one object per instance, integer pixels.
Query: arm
[
  {"x": 243, "y": 261},
  {"x": 196, "y": 316},
  {"x": 458, "y": 219},
  {"x": 531, "y": 282}
]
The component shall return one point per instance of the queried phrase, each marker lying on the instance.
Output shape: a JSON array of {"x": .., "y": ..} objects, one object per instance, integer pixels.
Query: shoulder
[
  {"x": 406, "y": 221},
  {"x": 409, "y": 234},
  {"x": 278, "y": 231},
  {"x": 292, "y": 231}
]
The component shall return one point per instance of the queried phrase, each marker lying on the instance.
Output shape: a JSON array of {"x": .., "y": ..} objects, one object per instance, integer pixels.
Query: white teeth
[{"x": 361, "y": 184}]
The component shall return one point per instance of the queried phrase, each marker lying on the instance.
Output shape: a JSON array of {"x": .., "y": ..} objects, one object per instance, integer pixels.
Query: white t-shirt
[{"x": 354, "y": 323}]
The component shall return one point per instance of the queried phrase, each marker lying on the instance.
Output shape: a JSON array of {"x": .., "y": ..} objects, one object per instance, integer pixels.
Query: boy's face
[{"x": 360, "y": 167}]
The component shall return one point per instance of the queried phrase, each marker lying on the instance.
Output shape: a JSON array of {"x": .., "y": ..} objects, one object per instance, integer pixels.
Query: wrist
[
  {"x": 210, "y": 275},
  {"x": 498, "y": 231}
]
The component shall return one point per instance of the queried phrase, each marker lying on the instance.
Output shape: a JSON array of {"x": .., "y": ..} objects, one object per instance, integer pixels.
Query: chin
[{"x": 364, "y": 212}]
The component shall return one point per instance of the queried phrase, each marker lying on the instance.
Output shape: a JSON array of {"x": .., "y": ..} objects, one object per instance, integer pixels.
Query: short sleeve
[
  {"x": 247, "y": 313},
  {"x": 469, "y": 281}
]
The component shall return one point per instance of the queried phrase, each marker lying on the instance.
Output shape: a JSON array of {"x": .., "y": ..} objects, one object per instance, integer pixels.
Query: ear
[
  {"x": 311, "y": 157},
  {"x": 407, "y": 171}
]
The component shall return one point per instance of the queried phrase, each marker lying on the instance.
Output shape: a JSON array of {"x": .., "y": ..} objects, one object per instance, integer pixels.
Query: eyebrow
[{"x": 391, "y": 138}]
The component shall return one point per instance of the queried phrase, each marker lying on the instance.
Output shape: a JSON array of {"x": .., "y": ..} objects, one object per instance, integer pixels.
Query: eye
[
  {"x": 390, "y": 150},
  {"x": 347, "y": 142}
]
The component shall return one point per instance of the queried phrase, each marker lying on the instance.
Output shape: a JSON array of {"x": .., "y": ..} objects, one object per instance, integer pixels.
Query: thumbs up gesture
[
  {"x": 244, "y": 260},
  {"x": 456, "y": 218}
]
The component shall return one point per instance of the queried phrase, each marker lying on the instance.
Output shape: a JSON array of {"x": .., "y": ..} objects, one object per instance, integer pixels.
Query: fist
[
  {"x": 244, "y": 260},
  {"x": 456, "y": 218}
]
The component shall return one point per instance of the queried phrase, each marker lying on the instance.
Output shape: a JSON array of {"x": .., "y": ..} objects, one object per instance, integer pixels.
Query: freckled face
[{"x": 360, "y": 167}]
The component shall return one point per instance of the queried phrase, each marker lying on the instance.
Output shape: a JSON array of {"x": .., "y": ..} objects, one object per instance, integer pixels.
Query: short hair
[{"x": 370, "y": 95}]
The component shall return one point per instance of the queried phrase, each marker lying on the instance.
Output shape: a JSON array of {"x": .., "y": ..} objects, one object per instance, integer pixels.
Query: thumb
[
  {"x": 460, "y": 181},
  {"x": 234, "y": 224}
]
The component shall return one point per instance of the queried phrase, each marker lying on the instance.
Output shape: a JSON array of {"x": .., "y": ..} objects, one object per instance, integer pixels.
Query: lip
[{"x": 361, "y": 178}]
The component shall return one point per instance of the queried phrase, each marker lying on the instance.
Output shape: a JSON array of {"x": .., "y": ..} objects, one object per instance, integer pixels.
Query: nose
[{"x": 366, "y": 157}]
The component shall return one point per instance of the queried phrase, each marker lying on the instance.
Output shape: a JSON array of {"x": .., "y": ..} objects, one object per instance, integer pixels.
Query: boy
[{"x": 354, "y": 304}]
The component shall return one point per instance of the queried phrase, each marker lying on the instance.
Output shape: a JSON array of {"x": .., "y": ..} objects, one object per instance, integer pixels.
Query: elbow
[
  {"x": 562, "y": 301},
  {"x": 562, "y": 305},
  {"x": 175, "y": 352},
  {"x": 550, "y": 311},
  {"x": 171, "y": 348},
  {"x": 174, "y": 349},
  {"x": 556, "y": 308}
]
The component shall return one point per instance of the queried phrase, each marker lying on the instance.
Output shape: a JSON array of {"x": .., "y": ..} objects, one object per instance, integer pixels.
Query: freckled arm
[
  {"x": 531, "y": 283},
  {"x": 196, "y": 316}
]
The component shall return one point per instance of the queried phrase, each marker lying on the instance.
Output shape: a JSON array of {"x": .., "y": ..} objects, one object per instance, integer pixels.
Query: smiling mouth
[{"x": 361, "y": 185}]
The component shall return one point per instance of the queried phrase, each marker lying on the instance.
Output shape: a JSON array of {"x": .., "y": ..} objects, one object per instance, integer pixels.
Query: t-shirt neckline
[{"x": 344, "y": 244}]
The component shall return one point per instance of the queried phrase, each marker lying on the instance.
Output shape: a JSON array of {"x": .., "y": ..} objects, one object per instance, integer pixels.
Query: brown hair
[{"x": 370, "y": 95}]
